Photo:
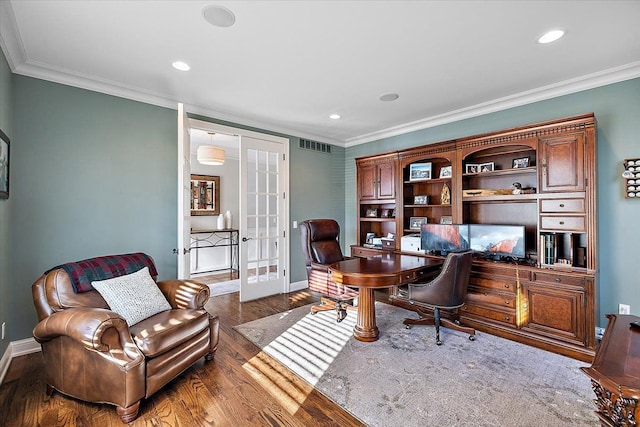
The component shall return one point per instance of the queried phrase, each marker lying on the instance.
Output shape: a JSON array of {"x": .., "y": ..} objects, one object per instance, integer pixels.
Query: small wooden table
[
  {"x": 383, "y": 271},
  {"x": 615, "y": 373}
]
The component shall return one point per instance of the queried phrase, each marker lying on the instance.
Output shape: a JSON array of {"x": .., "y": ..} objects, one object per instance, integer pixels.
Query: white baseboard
[
  {"x": 297, "y": 286},
  {"x": 15, "y": 349}
]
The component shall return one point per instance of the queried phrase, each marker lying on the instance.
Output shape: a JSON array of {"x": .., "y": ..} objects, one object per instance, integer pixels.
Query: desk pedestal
[{"x": 366, "y": 329}]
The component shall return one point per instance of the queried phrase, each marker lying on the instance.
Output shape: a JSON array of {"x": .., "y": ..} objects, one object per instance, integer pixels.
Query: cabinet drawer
[
  {"x": 484, "y": 296},
  {"x": 499, "y": 283},
  {"x": 504, "y": 316},
  {"x": 558, "y": 278},
  {"x": 357, "y": 251},
  {"x": 562, "y": 205},
  {"x": 568, "y": 223}
]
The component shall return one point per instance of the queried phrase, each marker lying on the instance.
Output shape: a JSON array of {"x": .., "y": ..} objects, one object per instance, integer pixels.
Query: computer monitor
[
  {"x": 440, "y": 239},
  {"x": 497, "y": 240}
]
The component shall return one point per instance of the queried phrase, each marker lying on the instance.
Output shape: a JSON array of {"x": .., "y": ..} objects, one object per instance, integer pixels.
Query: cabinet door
[
  {"x": 555, "y": 312},
  {"x": 562, "y": 161},
  {"x": 367, "y": 182},
  {"x": 386, "y": 181}
]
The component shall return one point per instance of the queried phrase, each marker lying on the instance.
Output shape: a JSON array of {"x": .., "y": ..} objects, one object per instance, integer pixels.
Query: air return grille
[{"x": 306, "y": 144}]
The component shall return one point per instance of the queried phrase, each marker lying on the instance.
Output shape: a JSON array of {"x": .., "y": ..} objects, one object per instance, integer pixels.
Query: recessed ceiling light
[
  {"x": 182, "y": 66},
  {"x": 218, "y": 16},
  {"x": 389, "y": 97},
  {"x": 550, "y": 36},
  {"x": 335, "y": 116}
]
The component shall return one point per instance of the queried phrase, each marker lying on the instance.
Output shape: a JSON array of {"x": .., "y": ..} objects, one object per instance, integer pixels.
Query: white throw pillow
[{"x": 135, "y": 296}]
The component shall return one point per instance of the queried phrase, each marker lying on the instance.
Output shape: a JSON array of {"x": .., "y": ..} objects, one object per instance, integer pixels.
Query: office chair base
[
  {"x": 435, "y": 320},
  {"x": 329, "y": 304}
]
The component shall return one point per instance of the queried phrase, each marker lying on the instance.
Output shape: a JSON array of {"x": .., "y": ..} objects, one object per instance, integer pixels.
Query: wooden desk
[
  {"x": 383, "y": 271},
  {"x": 615, "y": 373}
]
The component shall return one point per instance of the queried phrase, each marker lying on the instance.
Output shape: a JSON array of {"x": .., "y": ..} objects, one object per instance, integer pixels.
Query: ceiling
[{"x": 286, "y": 66}]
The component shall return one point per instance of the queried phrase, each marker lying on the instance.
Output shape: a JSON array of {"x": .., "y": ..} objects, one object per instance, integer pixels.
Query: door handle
[{"x": 244, "y": 239}]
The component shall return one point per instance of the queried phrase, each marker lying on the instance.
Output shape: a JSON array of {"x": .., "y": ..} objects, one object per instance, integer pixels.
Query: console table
[
  {"x": 384, "y": 271},
  {"x": 615, "y": 373},
  {"x": 203, "y": 239}
]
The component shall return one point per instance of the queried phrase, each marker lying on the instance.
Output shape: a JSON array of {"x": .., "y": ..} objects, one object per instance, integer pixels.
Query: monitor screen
[
  {"x": 443, "y": 238},
  {"x": 505, "y": 240}
]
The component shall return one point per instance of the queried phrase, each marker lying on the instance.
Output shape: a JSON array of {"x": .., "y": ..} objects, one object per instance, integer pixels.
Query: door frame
[{"x": 214, "y": 127}]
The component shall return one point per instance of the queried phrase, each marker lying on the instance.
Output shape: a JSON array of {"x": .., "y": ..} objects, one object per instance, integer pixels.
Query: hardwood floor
[{"x": 241, "y": 387}]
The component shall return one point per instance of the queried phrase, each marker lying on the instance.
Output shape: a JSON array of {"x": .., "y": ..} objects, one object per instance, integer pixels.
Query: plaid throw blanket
[{"x": 82, "y": 273}]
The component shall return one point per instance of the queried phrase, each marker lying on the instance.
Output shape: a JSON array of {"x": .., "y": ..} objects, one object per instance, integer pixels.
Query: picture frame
[
  {"x": 472, "y": 168},
  {"x": 445, "y": 172},
  {"x": 421, "y": 200},
  {"x": 385, "y": 213},
  {"x": 4, "y": 165},
  {"x": 419, "y": 171},
  {"x": 446, "y": 219},
  {"x": 521, "y": 162},
  {"x": 371, "y": 213},
  {"x": 416, "y": 221},
  {"x": 486, "y": 167},
  {"x": 369, "y": 237}
]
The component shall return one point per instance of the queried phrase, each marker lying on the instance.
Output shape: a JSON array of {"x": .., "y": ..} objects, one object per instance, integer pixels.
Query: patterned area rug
[{"x": 405, "y": 379}]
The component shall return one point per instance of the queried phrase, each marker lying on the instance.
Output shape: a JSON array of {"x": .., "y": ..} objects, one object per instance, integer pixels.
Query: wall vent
[{"x": 307, "y": 144}]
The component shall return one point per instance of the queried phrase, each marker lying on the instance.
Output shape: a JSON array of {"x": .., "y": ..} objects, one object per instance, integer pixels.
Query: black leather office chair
[
  {"x": 321, "y": 248},
  {"x": 447, "y": 291}
]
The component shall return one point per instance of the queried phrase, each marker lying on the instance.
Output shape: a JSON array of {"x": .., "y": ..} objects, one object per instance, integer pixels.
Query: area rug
[
  {"x": 222, "y": 288},
  {"x": 405, "y": 379}
]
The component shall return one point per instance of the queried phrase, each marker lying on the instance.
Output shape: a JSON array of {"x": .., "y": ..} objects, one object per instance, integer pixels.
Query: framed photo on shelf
[
  {"x": 445, "y": 172},
  {"x": 385, "y": 213},
  {"x": 392, "y": 213},
  {"x": 370, "y": 237},
  {"x": 419, "y": 171},
  {"x": 472, "y": 168},
  {"x": 521, "y": 162},
  {"x": 486, "y": 167},
  {"x": 416, "y": 221},
  {"x": 372, "y": 213},
  {"x": 421, "y": 200},
  {"x": 446, "y": 219}
]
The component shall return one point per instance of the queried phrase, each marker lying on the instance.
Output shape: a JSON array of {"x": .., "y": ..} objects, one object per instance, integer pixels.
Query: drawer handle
[
  {"x": 558, "y": 279},
  {"x": 506, "y": 303},
  {"x": 562, "y": 205},
  {"x": 507, "y": 318},
  {"x": 486, "y": 294},
  {"x": 561, "y": 222},
  {"x": 506, "y": 286},
  {"x": 408, "y": 276}
]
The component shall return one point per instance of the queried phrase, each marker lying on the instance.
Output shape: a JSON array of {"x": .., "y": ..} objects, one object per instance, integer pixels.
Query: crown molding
[{"x": 578, "y": 84}]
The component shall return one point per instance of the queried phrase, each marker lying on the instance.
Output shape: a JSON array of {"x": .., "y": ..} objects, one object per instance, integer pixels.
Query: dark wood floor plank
[{"x": 241, "y": 386}]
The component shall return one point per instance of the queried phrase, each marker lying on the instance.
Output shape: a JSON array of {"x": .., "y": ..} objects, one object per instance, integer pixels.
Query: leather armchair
[
  {"x": 446, "y": 291},
  {"x": 321, "y": 247},
  {"x": 91, "y": 354}
]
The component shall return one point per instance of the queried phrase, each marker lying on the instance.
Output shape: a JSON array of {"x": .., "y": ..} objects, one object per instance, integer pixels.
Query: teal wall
[
  {"x": 91, "y": 175},
  {"x": 6, "y": 124},
  {"x": 617, "y": 111}
]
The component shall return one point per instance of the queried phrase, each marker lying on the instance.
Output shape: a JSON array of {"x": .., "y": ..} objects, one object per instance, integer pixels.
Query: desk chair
[
  {"x": 321, "y": 247},
  {"x": 447, "y": 291}
]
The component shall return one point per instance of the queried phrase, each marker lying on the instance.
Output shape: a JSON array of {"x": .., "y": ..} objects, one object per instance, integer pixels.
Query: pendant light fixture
[{"x": 209, "y": 154}]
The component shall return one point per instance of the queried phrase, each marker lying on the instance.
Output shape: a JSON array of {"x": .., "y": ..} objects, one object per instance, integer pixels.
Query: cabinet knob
[
  {"x": 561, "y": 222},
  {"x": 506, "y": 286},
  {"x": 486, "y": 294},
  {"x": 562, "y": 205},
  {"x": 507, "y": 318},
  {"x": 506, "y": 303},
  {"x": 558, "y": 279}
]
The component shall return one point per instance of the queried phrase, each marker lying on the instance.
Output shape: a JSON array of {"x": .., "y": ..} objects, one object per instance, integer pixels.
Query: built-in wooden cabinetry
[{"x": 547, "y": 299}]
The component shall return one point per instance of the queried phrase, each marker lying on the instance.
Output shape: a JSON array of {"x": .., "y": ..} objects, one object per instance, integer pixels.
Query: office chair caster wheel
[
  {"x": 407, "y": 326},
  {"x": 313, "y": 313},
  {"x": 472, "y": 338},
  {"x": 439, "y": 342}
]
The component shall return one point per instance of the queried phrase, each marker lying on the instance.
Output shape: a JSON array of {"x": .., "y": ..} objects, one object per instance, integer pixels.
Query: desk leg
[{"x": 366, "y": 329}]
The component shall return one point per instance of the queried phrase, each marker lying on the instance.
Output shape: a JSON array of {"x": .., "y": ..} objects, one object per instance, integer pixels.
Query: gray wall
[
  {"x": 6, "y": 124},
  {"x": 91, "y": 175},
  {"x": 617, "y": 110}
]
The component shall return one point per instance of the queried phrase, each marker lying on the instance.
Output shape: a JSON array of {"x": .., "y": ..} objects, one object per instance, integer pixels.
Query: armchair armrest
[
  {"x": 185, "y": 293},
  {"x": 92, "y": 328}
]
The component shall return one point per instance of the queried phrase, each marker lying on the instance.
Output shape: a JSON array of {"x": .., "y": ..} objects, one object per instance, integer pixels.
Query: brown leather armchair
[
  {"x": 91, "y": 354},
  {"x": 321, "y": 247},
  {"x": 447, "y": 291}
]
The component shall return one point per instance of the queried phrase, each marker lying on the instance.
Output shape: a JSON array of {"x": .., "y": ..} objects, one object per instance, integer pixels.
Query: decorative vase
[
  {"x": 228, "y": 220},
  {"x": 220, "y": 222}
]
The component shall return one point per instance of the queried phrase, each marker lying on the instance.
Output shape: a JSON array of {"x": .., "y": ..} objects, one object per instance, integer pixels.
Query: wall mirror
[{"x": 205, "y": 195}]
